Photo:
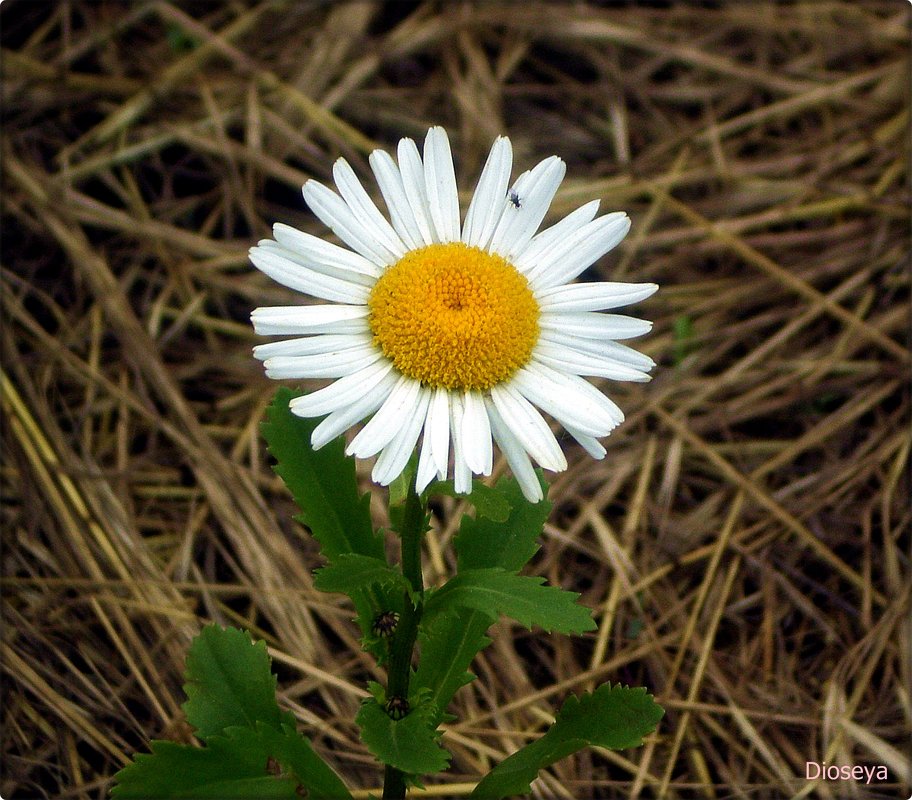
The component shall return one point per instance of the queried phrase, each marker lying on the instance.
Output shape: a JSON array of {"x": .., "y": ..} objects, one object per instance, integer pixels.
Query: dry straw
[{"x": 745, "y": 543}]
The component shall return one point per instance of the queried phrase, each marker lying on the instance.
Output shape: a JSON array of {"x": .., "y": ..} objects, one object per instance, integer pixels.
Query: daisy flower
[{"x": 454, "y": 332}]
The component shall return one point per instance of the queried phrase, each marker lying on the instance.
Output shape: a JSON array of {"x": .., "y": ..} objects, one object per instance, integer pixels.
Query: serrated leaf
[
  {"x": 524, "y": 598},
  {"x": 451, "y": 640},
  {"x": 325, "y": 489},
  {"x": 229, "y": 682},
  {"x": 322, "y": 483},
  {"x": 297, "y": 757},
  {"x": 449, "y": 643},
  {"x": 509, "y": 543},
  {"x": 489, "y": 501},
  {"x": 224, "y": 770},
  {"x": 236, "y": 765},
  {"x": 613, "y": 716},
  {"x": 352, "y": 572},
  {"x": 373, "y": 586},
  {"x": 408, "y": 744}
]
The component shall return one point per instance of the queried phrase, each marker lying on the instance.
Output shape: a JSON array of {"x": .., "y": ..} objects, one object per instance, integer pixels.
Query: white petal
[
  {"x": 397, "y": 453},
  {"x": 440, "y": 185},
  {"x": 476, "y": 434},
  {"x": 325, "y": 365},
  {"x": 528, "y": 426},
  {"x": 515, "y": 454},
  {"x": 390, "y": 182},
  {"x": 341, "y": 420},
  {"x": 321, "y": 252},
  {"x": 462, "y": 473},
  {"x": 582, "y": 387},
  {"x": 282, "y": 269},
  {"x": 488, "y": 201},
  {"x": 578, "y": 251},
  {"x": 312, "y": 345},
  {"x": 542, "y": 242},
  {"x": 604, "y": 348},
  {"x": 439, "y": 424},
  {"x": 345, "y": 391},
  {"x": 426, "y": 467},
  {"x": 306, "y": 261},
  {"x": 593, "y": 325},
  {"x": 388, "y": 421},
  {"x": 590, "y": 444},
  {"x": 570, "y": 360},
  {"x": 364, "y": 208},
  {"x": 599, "y": 296},
  {"x": 412, "y": 171},
  {"x": 535, "y": 190},
  {"x": 561, "y": 398},
  {"x": 279, "y": 320},
  {"x": 334, "y": 212}
]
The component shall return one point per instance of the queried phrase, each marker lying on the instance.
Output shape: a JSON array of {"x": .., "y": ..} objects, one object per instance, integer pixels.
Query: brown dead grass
[{"x": 745, "y": 543}]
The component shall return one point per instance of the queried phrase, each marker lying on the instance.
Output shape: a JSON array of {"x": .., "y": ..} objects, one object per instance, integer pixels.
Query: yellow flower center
[{"x": 454, "y": 316}]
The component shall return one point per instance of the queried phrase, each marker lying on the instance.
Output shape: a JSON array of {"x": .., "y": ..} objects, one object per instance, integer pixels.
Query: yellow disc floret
[{"x": 454, "y": 316}]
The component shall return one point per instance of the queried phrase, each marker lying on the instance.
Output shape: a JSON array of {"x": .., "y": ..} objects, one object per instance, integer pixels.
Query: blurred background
[{"x": 745, "y": 544}]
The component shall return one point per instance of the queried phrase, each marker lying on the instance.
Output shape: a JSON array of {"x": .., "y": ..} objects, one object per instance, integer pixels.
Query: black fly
[{"x": 513, "y": 197}]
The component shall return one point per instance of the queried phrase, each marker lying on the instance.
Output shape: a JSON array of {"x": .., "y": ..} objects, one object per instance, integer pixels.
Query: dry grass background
[{"x": 745, "y": 543}]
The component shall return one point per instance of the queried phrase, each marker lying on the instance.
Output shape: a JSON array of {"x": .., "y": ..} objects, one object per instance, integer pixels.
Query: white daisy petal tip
[
  {"x": 652, "y": 288},
  {"x": 434, "y": 368}
]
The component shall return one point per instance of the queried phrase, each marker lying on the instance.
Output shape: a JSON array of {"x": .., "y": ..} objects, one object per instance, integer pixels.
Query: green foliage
[
  {"x": 508, "y": 543},
  {"x": 451, "y": 639},
  {"x": 229, "y": 682},
  {"x": 252, "y": 748},
  {"x": 322, "y": 483},
  {"x": 495, "y": 591},
  {"x": 227, "y": 768},
  {"x": 409, "y": 744},
  {"x": 489, "y": 502},
  {"x": 297, "y": 757},
  {"x": 613, "y": 716},
  {"x": 244, "y": 762},
  {"x": 325, "y": 488},
  {"x": 449, "y": 642},
  {"x": 353, "y": 572}
]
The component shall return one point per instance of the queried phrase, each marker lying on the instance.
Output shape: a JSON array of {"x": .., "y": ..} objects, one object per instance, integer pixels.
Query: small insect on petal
[{"x": 513, "y": 197}]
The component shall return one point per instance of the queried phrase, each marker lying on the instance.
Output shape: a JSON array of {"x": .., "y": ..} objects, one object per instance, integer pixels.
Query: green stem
[{"x": 403, "y": 642}]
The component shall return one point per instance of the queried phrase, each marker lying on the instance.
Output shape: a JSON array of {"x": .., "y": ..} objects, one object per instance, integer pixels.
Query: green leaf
[
  {"x": 225, "y": 770},
  {"x": 449, "y": 643},
  {"x": 496, "y": 591},
  {"x": 296, "y": 756},
  {"x": 352, "y": 572},
  {"x": 324, "y": 487},
  {"x": 613, "y": 716},
  {"x": 322, "y": 482},
  {"x": 244, "y": 763},
  {"x": 508, "y": 544},
  {"x": 408, "y": 744},
  {"x": 489, "y": 501},
  {"x": 229, "y": 682},
  {"x": 451, "y": 639}
]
